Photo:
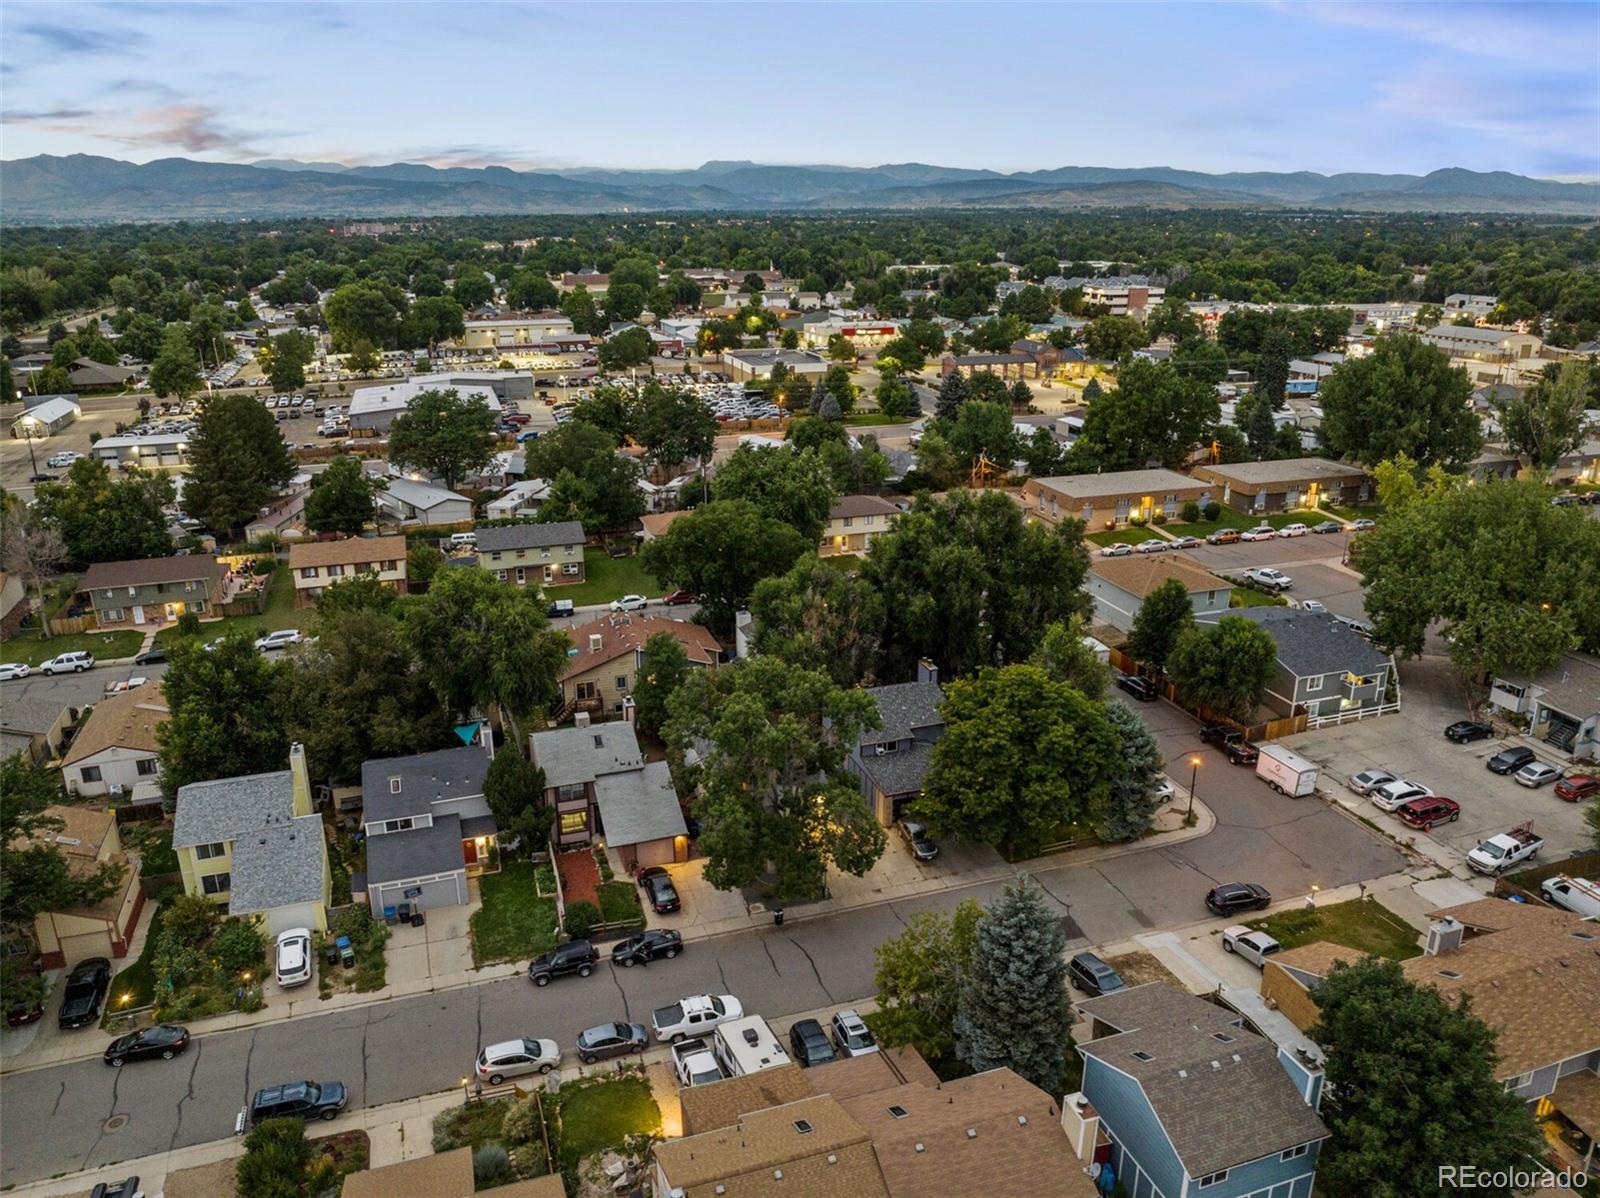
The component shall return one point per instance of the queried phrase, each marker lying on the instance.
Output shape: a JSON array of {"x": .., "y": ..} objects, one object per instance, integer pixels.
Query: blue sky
[{"x": 1246, "y": 86}]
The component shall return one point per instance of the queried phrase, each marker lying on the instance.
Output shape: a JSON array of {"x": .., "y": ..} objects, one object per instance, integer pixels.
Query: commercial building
[
  {"x": 317, "y": 565},
  {"x": 373, "y": 409},
  {"x": 48, "y": 416},
  {"x": 1289, "y": 485},
  {"x": 515, "y": 331},
  {"x": 860, "y": 331},
  {"x": 746, "y": 364},
  {"x": 157, "y": 451}
]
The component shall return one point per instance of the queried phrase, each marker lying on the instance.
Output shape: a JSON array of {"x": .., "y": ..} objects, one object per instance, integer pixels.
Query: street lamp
[{"x": 1194, "y": 774}]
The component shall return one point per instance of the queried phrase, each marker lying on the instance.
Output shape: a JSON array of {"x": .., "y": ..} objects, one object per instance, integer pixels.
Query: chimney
[
  {"x": 594, "y": 642},
  {"x": 1082, "y": 1124},
  {"x": 301, "y": 780},
  {"x": 1444, "y": 935},
  {"x": 629, "y": 714},
  {"x": 927, "y": 671},
  {"x": 580, "y": 719}
]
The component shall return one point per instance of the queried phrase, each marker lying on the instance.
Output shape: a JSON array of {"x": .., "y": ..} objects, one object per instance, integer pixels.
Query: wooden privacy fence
[
  {"x": 1272, "y": 729},
  {"x": 72, "y": 625}
]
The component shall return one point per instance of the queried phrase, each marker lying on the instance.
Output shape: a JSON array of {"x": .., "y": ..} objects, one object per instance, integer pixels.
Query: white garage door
[
  {"x": 449, "y": 891},
  {"x": 89, "y": 944}
]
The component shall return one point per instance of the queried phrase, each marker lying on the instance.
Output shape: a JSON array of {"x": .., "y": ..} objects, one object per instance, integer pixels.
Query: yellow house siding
[{"x": 194, "y": 869}]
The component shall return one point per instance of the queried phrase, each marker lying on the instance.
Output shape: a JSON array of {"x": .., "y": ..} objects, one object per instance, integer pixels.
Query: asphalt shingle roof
[
  {"x": 150, "y": 570},
  {"x": 901, "y": 772},
  {"x": 419, "y": 853},
  {"x": 569, "y": 756},
  {"x": 1120, "y": 482},
  {"x": 639, "y": 805},
  {"x": 1285, "y": 471},
  {"x": 277, "y": 865},
  {"x": 1314, "y": 643},
  {"x": 425, "y": 779},
  {"x": 231, "y": 807},
  {"x": 903, "y": 707},
  {"x": 529, "y": 536}
]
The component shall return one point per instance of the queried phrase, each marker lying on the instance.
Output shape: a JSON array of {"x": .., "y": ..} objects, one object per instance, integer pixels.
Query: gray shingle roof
[
  {"x": 230, "y": 807},
  {"x": 1222, "y": 1102},
  {"x": 1285, "y": 471},
  {"x": 902, "y": 707},
  {"x": 569, "y": 756},
  {"x": 901, "y": 772},
  {"x": 639, "y": 805},
  {"x": 277, "y": 865},
  {"x": 31, "y": 717},
  {"x": 419, "y": 853},
  {"x": 529, "y": 536},
  {"x": 1314, "y": 643},
  {"x": 1120, "y": 482},
  {"x": 425, "y": 779}
]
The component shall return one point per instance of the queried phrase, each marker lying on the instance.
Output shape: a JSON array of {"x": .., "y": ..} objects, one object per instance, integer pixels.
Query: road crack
[
  {"x": 627, "y": 1011},
  {"x": 814, "y": 970},
  {"x": 721, "y": 973},
  {"x": 771, "y": 960},
  {"x": 188, "y": 1093},
  {"x": 60, "y": 1094}
]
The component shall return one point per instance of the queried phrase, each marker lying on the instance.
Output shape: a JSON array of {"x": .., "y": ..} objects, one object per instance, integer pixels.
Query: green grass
[
  {"x": 138, "y": 981},
  {"x": 1110, "y": 536},
  {"x": 1281, "y": 519},
  {"x": 514, "y": 924},
  {"x": 872, "y": 419},
  {"x": 470, "y": 1126},
  {"x": 280, "y": 612},
  {"x": 1353, "y": 511},
  {"x": 607, "y": 578},
  {"x": 1248, "y": 596},
  {"x": 602, "y": 1112},
  {"x": 1226, "y": 518},
  {"x": 1362, "y": 924},
  {"x": 32, "y": 649},
  {"x": 619, "y": 902}
]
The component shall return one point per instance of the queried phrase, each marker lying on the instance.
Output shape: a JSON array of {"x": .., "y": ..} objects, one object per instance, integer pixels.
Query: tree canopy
[
  {"x": 820, "y": 618},
  {"x": 720, "y": 551},
  {"x": 225, "y": 718},
  {"x": 1155, "y": 414},
  {"x": 237, "y": 463},
  {"x": 102, "y": 519},
  {"x": 341, "y": 498},
  {"x": 783, "y": 483},
  {"x": 444, "y": 433},
  {"x": 1223, "y": 666},
  {"x": 1404, "y": 397}
]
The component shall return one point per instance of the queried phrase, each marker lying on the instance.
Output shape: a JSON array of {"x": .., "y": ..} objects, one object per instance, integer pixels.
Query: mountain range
[{"x": 80, "y": 188}]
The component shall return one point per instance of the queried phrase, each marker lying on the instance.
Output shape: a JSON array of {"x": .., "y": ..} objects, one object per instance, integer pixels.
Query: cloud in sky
[{"x": 74, "y": 39}]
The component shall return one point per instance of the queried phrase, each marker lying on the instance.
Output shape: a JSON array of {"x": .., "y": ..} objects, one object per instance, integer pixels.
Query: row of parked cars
[{"x": 1229, "y": 536}]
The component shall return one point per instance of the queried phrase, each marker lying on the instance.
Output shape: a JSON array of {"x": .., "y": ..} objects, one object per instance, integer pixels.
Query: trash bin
[
  {"x": 347, "y": 954},
  {"x": 333, "y": 954},
  {"x": 777, "y": 916}
]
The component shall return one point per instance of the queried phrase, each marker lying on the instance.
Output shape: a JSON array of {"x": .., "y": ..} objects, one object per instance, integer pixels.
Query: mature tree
[
  {"x": 614, "y": 409},
  {"x": 626, "y": 349},
  {"x": 443, "y": 433},
  {"x": 1272, "y": 366},
  {"x": 600, "y": 487},
  {"x": 1161, "y": 619},
  {"x": 987, "y": 387},
  {"x": 674, "y": 426},
  {"x": 784, "y": 483},
  {"x": 1172, "y": 318},
  {"x": 578, "y": 307},
  {"x": 1223, "y": 666},
  {"x": 1065, "y": 654},
  {"x": 341, "y": 498},
  {"x": 895, "y": 398},
  {"x": 472, "y": 289},
  {"x": 953, "y": 392},
  {"x": 1549, "y": 419},
  {"x": 1155, "y": 414},
  {"x": 920, "y": 975},
  {"x": 838, "y": 383},
  {"x": 287, "y": 356},
  {"x": 1110, "y": 337},
  {"x": 141, "y": 336},
  {"x": 514, "y": 789},
  {"x": 226, "y": 720},
  {"x": 29, "y": 550},
  {"x": 967, "y": 582},
  {"x": 531, "y": 291},
  {"x": 634, "y": 272},
  {"x": 1092, "y": 390},
  {"x": 983, "y": 432},
  {"x": 775, "y": 799},
  {"x": 1200, "y": 359},
  {"x": 1411, "y": 1081},
  {"x": 363, "y": 357},
  {"x": 1260, "y": 429},
  {"x": 277, "y": 1161},
  {"x": 175, "y": 371},
  {"x": 662, "y": 668},
  {"x": 432, "y": 319},
  {"x": 625, "y": 301},
  {"x": 484, "y": 642},
  {"x": 237, "y": 463},
  {"x": 363, "y": 311},
  {"x": 53, "y": 380},
  {"x": 1021, "y": 755},
  {"x": 721, "y": 551},
  {"x": 106, "y": 520},
  {"x": 1131, "y": 801},
  {"x": 1018, "y": 1018},
  {"x": 1404, "y": 397},
  {"x": 820, "y": 618},
  {"x": 422, "y": 563}
]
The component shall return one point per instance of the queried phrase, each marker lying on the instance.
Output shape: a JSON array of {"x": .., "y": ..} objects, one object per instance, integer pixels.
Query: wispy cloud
[
  {"x": 26, "y": 116},
  {"x": 72, "y": 39},
  {"x": 193, "y": 127},
  {"x": 1548, "y": 36}
]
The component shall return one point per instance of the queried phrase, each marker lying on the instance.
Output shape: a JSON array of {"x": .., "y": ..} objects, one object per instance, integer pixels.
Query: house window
[
  {"x": 1211, "y": 1179},
  {"x": 494, "y": 556},
  {"x": 205, "y": 852},
  {"x": 571, "y": 568},
  {"x": 397, "y": 825},
  {"x": 308, "y": 572},
  {"x": 1314, "y": 683},
  {"x": 113, "y": 613},
  {"x": 1295, "y": 1153},
  {"x": 147, "y": 767},
  {"x": 91, "y": 773},
  {"x": 502, "y": 575},
  {"x": 199, "y": 605},
  {"x": 622, "y": 682},
  {"x": 574, "y": 822},
  {"x": 522, "y": 576},
  {"x": 848, "y": 521},
  {"x": 586, "y": 690},
  {"x": 389, "y": 565},
  {"x": 1211, "y": 597},
  {"x": 335, "y": 571},
  {"x": 544, "y": 552},
  {"x": 216, "y": 883},
  {"x": 570, "y": 793}
]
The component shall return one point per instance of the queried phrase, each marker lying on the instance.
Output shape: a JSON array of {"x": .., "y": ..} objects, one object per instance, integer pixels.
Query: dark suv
[
  {"x": 576, "y": 956},
  {"x": 1093, "y": 976},
  {"x": 1219, "y": 734},
  {"x": 1237, "y": 896},
  {"x": 1509, "y": 761},
  {"x": 294, "y": 1100},
  {"x": 809, "y": 1044},
  {"x": 85, "y": 994}
]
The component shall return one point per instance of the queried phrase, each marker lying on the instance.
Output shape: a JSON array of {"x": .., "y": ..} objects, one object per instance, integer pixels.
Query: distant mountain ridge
[{"x": 82, "y": 188}]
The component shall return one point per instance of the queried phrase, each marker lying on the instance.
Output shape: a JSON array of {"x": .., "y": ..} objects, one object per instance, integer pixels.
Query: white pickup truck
[
  {"x": 1500, "y": 853},
  {"x": 1269, "y": 579},
  {"x": 694, "y": 1063}
]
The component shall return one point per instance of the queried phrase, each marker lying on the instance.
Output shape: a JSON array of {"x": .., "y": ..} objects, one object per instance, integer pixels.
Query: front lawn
[
  {"x": 279, "y": 612},
  {"x": 864, "y": 418},
  {"x": 607, "y": 578},
  {"x": 1353, "y": 511},
  {"x": 619, "y": 902},
  {"x": 1281, "y": 519},
  {"x": 1110, "y": 536},
  {"x": 1362, "y": 924},
  {"x": 31, "y": 649},
  {"x": 514, "y": 923},
  {"x": 602, "y": 1112},
  {"x": 135, "y": 986},
  {"x": 470, "y": 1126},
  {"x": 1226, "y": 518},
  {"x": 1249, "y": 596},
  {"x": 153, "y": 842}
]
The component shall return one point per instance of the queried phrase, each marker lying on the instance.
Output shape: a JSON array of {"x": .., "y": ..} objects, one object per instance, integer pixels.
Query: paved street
[{"x": 408, "y": 1047}]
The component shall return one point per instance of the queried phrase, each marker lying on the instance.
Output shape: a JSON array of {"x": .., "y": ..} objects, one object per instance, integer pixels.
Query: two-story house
[
  {"x": 153, "y": 590},
  {"x": 1287, "y": 485},
  {"x": 255, "y": 846},
  {"x": 1120, "y": 585},
  {"x": 88, "y": 840},
  {"x": 608, "y": 652},
  {"x": 317, "y": 565},
  {"x": 892, "y": 760},
  {"x": 428, "y": 826},
  {"x": 599, "y": 785},
  {"x": 1560, "y": 706},
  {"x": 1110, "y": 500},
  {"x": 533, "y": 554},
  {"x": 854, "y": 522},
  {"x": 114, "y": 752},
  {"x": 1323, "y": 666},
  {"x": 1192, "y": 1100}
]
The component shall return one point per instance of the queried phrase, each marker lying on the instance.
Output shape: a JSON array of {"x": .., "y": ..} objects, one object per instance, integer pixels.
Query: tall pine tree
[
  {"x": 1132, "y": 802},
  {"x": 953, "y": 392}
]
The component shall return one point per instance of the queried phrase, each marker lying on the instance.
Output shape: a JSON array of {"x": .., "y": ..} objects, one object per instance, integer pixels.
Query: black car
[
  {"x": 1237, "y": 896},
  {"x": 1464, "y": 732},
  {"x": 1093, "y": 976},
  {"x": 164, "y": 1040},
  {"x": 1509, "y": 761},
  {"x": 923, "y": 847},
  {"x": 1219, "y": 734},
  {"x": 1241, "y": 752},
  {"x": 646, "y": 947},
  {"x": 154, "y": 657},
  {"x": 42, "y": 478},
  {"x": 658, "y": 887},
  {"x": 84, "y": 996},
  {"x": 576, "y": 956},
  {"x": 1140, "y": 688},
  {"x": 611, "y": 1040},
  {"x": 809, "y": 1044},
  {"x": 293, "y": 1100},
  {"x": 128, "y": 1187}
]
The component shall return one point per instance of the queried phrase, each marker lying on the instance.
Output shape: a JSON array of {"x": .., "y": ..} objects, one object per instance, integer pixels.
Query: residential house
[
  {"x": 88, "y": 839},
  {"x": 1581, "y": 464},
  {"x": 1532, "y": 974},
  {"x": 45, "y": 418},
  {"x": 1120, "y": 585},
  {"x": 1289, "y": 485},
  {"x": 372, "y": 409},
  {"x": 1324, "y": 666},
  {"x": 607, "y": 655},
  {"x": 153, "y": 590},
  {"x": 521, "y": 500},
  {"x": 317, "y": 565},
  {"x": 1191, "y": 1099},
  {"x": 441, "y": 1175},
  {"x": 255, "y": 845},
  {"x": 1560, "y": 706},
  {"x": 36, "y": 728},
  {"x": 14, "y": 605},
  {"x": 114, "y": 752},
  {"x": 1111, "y": 500},
  {"x": 893, "y": 760},
  {"x": 428, "y": 826},
  {"x": 745, "y": 364},
  {"x": 653, "y": 524},
  {"x": 541, "y": 554},
  {"x": 600, "y": 787},
  {"x": 88, "y": 375},
  {"x": 854, "y": 522},
  {"x": 409, "y": 502}
]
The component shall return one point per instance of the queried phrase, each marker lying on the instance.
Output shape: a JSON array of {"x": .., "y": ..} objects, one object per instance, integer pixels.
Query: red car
[
  {"x": 1425, "y": 812},
  {"x": 679, "y": 597},
  {"x": 516, "y": 417},
  {"x": 1578, "y": 787}
]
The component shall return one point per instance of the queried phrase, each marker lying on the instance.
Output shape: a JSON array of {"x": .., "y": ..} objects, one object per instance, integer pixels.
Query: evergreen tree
[
  {"x": 1092, "y": 390},
  {"x": 662, "y": 668},
  {"x": 828, "y": 409},
  {"x": 1021, "y": 394},
  {"x": 1163, "y": 615},
  {"x": 818, "y": 394},
  {"x": 1272, "y": 366},
  {"x": 1014, "y": 1011},
  {"x": 1131, "y": 803},
  {"x": 953, "y": 392},
  {"x": 1260, "y": 431}
]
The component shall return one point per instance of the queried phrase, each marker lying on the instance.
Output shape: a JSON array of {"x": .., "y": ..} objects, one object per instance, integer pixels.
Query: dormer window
[{"x": 394, "y": 786}]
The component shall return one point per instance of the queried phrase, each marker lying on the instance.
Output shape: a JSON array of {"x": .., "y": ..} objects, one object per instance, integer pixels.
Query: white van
[
  {"x": 463, "y": 540},
  {"x": 1575, "y": 894},
  {"x": 746, "y": 1045}
]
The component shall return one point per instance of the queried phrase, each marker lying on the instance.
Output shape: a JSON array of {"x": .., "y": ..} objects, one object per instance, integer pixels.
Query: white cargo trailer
[{"x": 1286, "y": 772}]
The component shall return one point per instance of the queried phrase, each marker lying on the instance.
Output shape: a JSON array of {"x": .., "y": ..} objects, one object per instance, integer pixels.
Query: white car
[
  {"x": 1369, "y": 780},
  {"x": 1164, "y": 790},
  {"x": 68, "y": 663},
  {"x": 1120, "y": 549},
  {"x": 851, "y": 1035},
  {"x": 1293, "y": 530},
  {"x": 278, "y": 639},
  {"x": 1313, "y": 605},
  {"x": 1262, "y": 532},
  {"x": 1390, "y": 795},
  {"x": 1536, "y": 774},
  {"x": 1153, "y": 545},
  {"x": 629, "y": 603},
  {"x": 512, "y": 1058},
  {"x": 294, "y": 957},
  {"x": 693, "y": 1015},
  {"x": 1254, "y": 947},
  {"x": 65, "y": 458},
  {"x": 14, "y": 669}
]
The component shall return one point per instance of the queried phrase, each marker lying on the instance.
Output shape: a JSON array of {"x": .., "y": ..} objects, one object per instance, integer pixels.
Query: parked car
[
  {"x": 1140, "y": 688},
  {"x": 922, "y": 846},
  {"x": 1269, "y": 579},
  {"x": 1327, "y": 526},
  {"x": 1390, "y": 795},
  {"x": 128, "y": 1187},
  {"x": 68, "y": 663},
  {"x": 1362, "y": 524},
  {"x": 809, "y": 1044},
  {"x": 646, "y": 947},
  {"x": 1369, "y": 780},
  {"x": 679, "y": 597},
  {"x": 611, "y": 1040},
  {"x": 1464, "y": 732},
  {"x": 1241, "y": 752},
  {"x": 514, "y": 1058},
  {"x": 1499, "y": 853},
  {"x": 1153, "y": 545},
  {"x": 293, "y": 1100},
  {"x": 1237, "y": 896},
  {"x": 658, "y": 888},
  {"x": 1293, "y": 530},
  {"x": 13, "y": 669},
  {"x": 693, "y": 1015},
  {"x": 1509, "y": 761},
  {"x": 1223, "y": 536},
  {"x": 1313, "y": 605},
  {"x": 1261, "y": 532},
  {"x": 278, "y": 640},
  {"x": 1254, "y": 947},
  {"x": 559, "y": 608},
  {"x": 1219, "y": 734},
  {"x": 1187, "y": 542},
  {"x": 164, "y": 1040},
  {"x": 575, "y": 956},
  {"x": 1578, "y": 787},
  {"x": 293, "y": 957},
  {"x": 629, "y": 603},
  {"x": 851, "y": 1035},
  {"x": 1090, "y": 975},
  {"x": 84, "y": 995},
  {"x": 1536, "y": 774},
  {"x": 1119, "y": 549},
  {"x": 1425, "y": 812},
  {"x": 153, "y": 657}
]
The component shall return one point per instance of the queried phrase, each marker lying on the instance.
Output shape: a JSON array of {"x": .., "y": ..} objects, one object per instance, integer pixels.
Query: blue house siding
[
  {"x": 1138, "y": 1136},
  {"x": 1260, "y": 1178}
]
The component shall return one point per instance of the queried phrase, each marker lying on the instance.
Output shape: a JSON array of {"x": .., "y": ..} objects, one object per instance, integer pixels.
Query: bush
[
  {"x": 1158, "y": 518},
  {"x": 522, "y": 1121},
  {"x": 191, "y": 919},
  {"x": 1191, "y": 512},
  {"x": 239, "y": 946},
  {"x": 264, "y": 565},
  {"x": 491, "y": 1165},
  {"x": 189, "y": 624},
  {"x": 1212, "y": 509},
  {"x": 581, "y": 919},
  {"x": 1136, "y": 520},
  {"x": 275, "y": 1160}
]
